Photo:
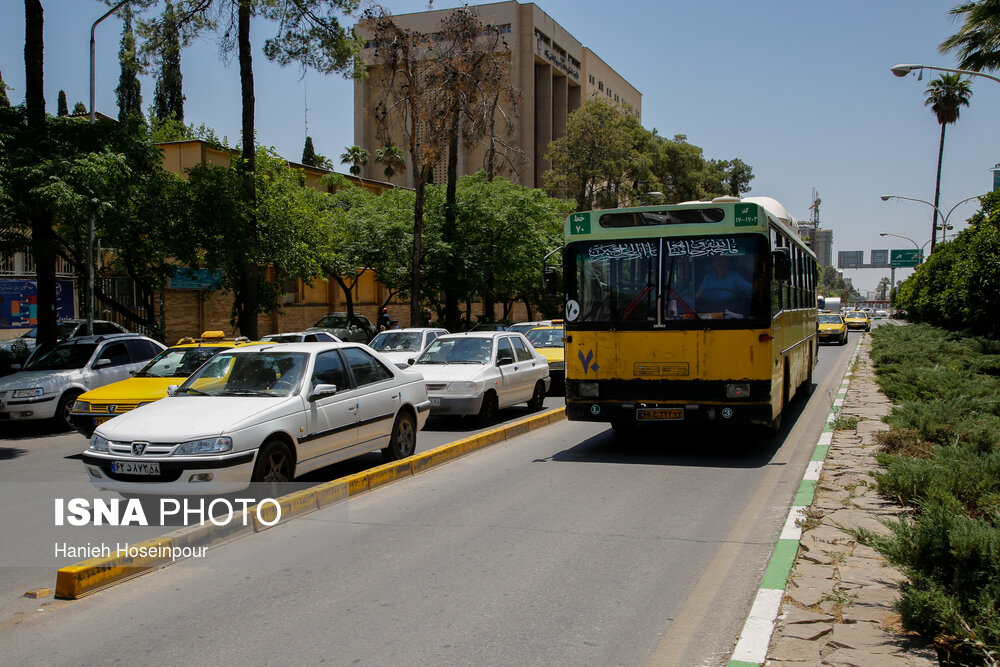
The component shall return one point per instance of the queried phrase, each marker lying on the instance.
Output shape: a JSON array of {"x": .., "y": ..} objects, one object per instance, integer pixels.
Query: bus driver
[{"x": 722, "y": 290}]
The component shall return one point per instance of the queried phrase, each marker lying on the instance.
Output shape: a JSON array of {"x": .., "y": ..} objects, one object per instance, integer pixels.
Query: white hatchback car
[
  {"x": 261, "y": 414},
  {"x": 479, "y": 372},
  {"x": 48, "y": 387},
  {"x": 401, "y": 345}
]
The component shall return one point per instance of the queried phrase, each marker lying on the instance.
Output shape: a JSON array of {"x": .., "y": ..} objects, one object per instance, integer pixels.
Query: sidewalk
[{"x": 838, "y": 604}]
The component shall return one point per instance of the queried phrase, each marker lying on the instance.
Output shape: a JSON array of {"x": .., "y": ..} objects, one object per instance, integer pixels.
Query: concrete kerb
[
  {"x": 752, "y": 645},
  {"x": 80, "y": 579}
]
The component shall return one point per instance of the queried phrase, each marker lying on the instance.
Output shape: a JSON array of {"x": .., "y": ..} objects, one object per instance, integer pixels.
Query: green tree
[
  {"x": 309, "y": 153},
  {"x": 79, "y": 109},
  {"x": 392, "y": 158},
  {"x": 4, "y": 100},
  {"x": 357, "y": 157},
  {"x": 946, "y": 96},
  {"x": 883, "y": 287},
  {"x": 129, "y": 91},
  {"x": 603, "y": 160},
  {"x": 831, "y": 282},
  {"x": 165, "y": 39},
  {"x": 307, "y": 32},
  {"x": 976, "y": 42},
  {"x": 291, "y": 238},
  {"x": 61, "y": 106}
]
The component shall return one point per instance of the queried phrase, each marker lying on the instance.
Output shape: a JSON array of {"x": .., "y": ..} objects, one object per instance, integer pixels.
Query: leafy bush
[{"x": 942, "y": 459}]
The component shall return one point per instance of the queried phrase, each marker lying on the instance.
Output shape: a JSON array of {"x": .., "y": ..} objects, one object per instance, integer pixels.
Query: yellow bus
[{"x": 701, "y": 312}]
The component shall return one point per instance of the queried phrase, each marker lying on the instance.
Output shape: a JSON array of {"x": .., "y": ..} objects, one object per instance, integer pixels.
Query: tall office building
[
  {"x": 553, "y": 71},
  {"x": 821, "y": 241}
]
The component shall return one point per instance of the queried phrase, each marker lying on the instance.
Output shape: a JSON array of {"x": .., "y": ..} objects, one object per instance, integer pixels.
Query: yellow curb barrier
[
  {"x": 83, "y": 578},
  {"x": 329, "y": 493},
  {"x": 94, "y": 574},
  {"x": 292, "y": 505}
]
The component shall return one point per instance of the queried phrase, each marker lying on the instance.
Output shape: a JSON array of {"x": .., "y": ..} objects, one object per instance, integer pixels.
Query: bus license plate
[
  {"x": 135, "y": 467},
  {"x": 659, "y": 414}
]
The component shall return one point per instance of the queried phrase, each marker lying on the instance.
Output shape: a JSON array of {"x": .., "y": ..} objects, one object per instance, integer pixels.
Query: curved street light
[
  {"x": 903, "y": 70},
  {"x": 944, "y": 218}
]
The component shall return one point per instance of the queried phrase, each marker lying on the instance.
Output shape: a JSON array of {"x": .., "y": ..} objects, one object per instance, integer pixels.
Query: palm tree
[
  {"x": 357, "y": 157},
  {"x": 392, "y": 157},
  {"x": 945, "y": 96},
  {"x": 976, "y": 41}
]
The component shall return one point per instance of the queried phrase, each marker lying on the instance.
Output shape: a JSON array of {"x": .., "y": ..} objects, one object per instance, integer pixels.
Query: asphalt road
[{"x": 563, "y": 546}]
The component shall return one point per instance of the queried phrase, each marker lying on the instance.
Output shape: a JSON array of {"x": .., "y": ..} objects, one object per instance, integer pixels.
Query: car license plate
[
  {"x": 100, "y": 420},
  {"x": 659, "y": 414},
  {"x": 435, "y": 401},
  {"x": 135, "y": 467}
]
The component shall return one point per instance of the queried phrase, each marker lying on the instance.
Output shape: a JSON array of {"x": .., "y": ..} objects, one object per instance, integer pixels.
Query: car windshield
[
  {"x": 254, "y": 374},
  {"x": 178, "y": 362},
  {"x": 545, "y": 337},
  {"x": 397, "y": 341},
  {"x": 283, "y": 338},
  {"x": 333, "y": 322},
  {"x": 458, "y": 351},
  {"x": 829, "y": 319},
  {"x": 64, "y": 357},
  {"x": 856, "y": 314}
]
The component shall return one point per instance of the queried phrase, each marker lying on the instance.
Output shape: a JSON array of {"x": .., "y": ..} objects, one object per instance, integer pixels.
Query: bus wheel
[
  {"x": 775, "y": 425},
  {"x": 807, "y": 386}
]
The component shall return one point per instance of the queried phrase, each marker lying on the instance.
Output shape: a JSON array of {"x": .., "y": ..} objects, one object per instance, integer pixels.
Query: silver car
[{"x": 47, "y": 388}]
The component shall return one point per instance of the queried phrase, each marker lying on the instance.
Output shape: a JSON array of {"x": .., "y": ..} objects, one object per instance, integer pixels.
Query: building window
[
  {"x": 600, "y": 85},
  {"x": 591, "y": 78}
]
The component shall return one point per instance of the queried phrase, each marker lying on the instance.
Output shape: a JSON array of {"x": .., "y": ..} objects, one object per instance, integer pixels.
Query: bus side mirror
[
  {"x": 550, "y": 280},
  {"x": 781, "y": 258}
]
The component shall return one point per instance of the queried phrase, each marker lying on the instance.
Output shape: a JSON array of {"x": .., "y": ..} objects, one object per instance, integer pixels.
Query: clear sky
[{"x": 801, "y": 91}]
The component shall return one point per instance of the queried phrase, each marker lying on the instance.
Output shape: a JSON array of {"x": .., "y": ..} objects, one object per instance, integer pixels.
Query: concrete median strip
[{"x": 89, "y": 576}]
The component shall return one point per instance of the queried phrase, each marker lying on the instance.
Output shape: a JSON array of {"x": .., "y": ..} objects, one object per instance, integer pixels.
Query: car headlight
[
  {"x": 206, "y": 446},
  {"x": 462, "y": 386},
  {"x": 81, "y": 406},
  {"x": 98, "y": 444},
  {"x": 31, "y": 392}
]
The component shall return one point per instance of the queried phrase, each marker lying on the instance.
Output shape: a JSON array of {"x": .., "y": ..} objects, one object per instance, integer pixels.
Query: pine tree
[
  {"x": 309, "y": 153},
  {"x": 79, "y": 109},
  {"x": 129, "y": 91},
  {"x": 62, "y": 106},
  {"x": 168, "y": 98}
]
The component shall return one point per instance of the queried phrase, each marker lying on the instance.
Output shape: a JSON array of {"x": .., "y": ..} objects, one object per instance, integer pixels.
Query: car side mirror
[
  {"x": 781, "y": 258},
  {"x": 504, "y": 361},
  {"x": 411, "y": 361},
  {"x": 322, "y": 391},
  {"x": 172, "y": 389},
  {"x": 550, "y": 281},
  {"x": 102, "y": 363}
]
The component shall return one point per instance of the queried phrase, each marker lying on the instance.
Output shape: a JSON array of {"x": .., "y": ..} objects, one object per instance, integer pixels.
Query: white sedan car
[
  {"x": 479, "y": 372},
  {"x": 48, "y": 387},
  {"x": 401, "y": 345},
  {"x": 261, "y": 414}
]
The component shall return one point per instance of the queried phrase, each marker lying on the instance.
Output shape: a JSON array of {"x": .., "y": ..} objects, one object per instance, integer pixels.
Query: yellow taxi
[
  {"x": 832, "y": 328},
  {"x": 151, "y": 382},
  {"x": 858, "y": 319},
  {"x": 548, "y": 340}
]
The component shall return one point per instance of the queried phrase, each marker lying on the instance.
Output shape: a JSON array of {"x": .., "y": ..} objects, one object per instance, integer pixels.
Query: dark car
[
  {"x": 358, "y": 329},
  {"x": 14, "y": 353}
]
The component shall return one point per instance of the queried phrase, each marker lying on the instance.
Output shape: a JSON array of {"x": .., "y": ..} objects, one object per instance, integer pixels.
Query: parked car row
[{"x": 214, "y": 414}]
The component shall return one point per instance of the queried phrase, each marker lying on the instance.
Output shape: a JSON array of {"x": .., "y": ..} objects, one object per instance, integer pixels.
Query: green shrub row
[{"x": 942, "y": 459}]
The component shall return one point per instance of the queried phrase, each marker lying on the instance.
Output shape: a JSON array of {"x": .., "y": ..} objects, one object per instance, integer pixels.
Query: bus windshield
[{"x": 663, "y": 280}]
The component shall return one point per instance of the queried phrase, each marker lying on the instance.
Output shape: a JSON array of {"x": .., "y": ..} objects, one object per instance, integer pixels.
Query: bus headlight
[
  {"x": 738, "y": 390},
  {"x": 587, "y": 389}
]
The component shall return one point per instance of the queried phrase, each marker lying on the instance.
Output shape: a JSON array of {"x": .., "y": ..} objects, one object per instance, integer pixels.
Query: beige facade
[{"x": 552, "y": 70}]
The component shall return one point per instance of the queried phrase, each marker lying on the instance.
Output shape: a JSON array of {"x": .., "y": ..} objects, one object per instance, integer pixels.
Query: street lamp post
[
  {"x": 903, "y": 70},
  {"x": 93, "y": 119},
  {"x": 944, "y": 217}
]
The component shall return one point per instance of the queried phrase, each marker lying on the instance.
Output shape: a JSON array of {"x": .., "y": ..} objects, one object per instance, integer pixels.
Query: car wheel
[
  {"x": 64, "y": 409},
  {"x": 275, "y": 464},
  {"x": 490, "y": 409},
  {"x": 843, "y": 339},
  {"x": 538, "y": 398},
  {"x": 403, "y": 441}
]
